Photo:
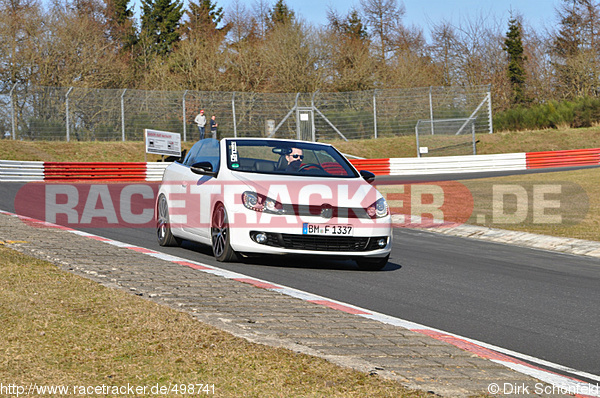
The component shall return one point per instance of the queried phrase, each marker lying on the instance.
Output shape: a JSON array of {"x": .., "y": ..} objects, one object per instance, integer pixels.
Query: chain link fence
[{"x": 63, "y": 113}]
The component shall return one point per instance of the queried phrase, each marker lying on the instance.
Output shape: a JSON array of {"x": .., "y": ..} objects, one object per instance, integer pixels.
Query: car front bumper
[{"x": 287, "y": 236}]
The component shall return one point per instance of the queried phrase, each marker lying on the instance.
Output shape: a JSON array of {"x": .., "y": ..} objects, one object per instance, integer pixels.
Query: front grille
[
  {"x": 335, "y": 212},
  {"x": 322, "y": 242}
]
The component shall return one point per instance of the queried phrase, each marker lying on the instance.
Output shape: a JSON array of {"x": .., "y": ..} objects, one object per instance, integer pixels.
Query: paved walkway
[{"x": 263, "y": 315}]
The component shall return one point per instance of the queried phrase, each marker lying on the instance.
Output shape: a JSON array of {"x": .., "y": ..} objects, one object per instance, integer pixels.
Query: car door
[{"x": 201, "y": 190}]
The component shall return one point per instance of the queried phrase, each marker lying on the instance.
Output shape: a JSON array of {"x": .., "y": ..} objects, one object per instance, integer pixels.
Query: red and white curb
[{"x": 511, "y": 359}]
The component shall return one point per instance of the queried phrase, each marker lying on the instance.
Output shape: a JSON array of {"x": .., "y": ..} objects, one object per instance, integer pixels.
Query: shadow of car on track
[{"x": 292, "y": 261}]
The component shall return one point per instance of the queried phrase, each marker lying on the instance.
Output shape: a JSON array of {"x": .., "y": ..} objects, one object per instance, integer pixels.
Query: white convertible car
[{"x": 256, "y": 196}]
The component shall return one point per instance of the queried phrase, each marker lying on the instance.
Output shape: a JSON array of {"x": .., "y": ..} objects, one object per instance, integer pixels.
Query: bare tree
[
  {"x": 21, "y": 29},
  {"x": 289, "y": 57},
  {"x": 260, "y": 13},
  {"x": 383, "y": 18},
  {"x": 242, "y": 24},
  {"x": 348, "y": 64},
  {"x": 541, "y": 76},
  {"x": 245, "y": 67},
  {"x": 443, "y": 50},
  {"x": 196, "y": 65},
  {"x": 76, "y": 50},
  {"x": 576, "y": 47}
]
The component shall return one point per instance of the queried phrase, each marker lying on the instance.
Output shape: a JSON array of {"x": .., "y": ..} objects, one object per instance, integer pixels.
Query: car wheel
[
  {"x": 219, "y": 232},
  {"x": 367, "y": 264},
  {"x": 163, "y": 227}
]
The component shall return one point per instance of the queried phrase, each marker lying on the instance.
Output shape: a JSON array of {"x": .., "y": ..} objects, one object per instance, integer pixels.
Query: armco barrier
[
  {"x": 376, "y": 166},
  {"x": 152, "y": 171},
  {"x": 16, "y": 171},
  {"x": 576, "y": 157},
  {"x": 457, "y": 164},
  {"x": 66, "y": 171},
  {"x": 13, "y": 170},
  {"x": 155, "y": 170}
]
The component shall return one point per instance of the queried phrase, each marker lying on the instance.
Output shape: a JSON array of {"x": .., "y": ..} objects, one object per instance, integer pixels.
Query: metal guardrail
[
  {"x": 578, "y": 157},
  {"x": 17, "y": 171},
  {"x": 12, "y": 170}
]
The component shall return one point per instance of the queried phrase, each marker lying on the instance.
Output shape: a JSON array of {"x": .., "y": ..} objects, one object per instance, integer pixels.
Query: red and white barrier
[
  {"x": 11, "y": 170},
  {"x": 576, "y": 157},
  {"x": 81, "y": 171},
  {"x": 480, "y": 163}
]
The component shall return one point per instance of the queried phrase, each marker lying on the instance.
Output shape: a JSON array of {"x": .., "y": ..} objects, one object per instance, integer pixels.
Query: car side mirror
[
  {"x": 367, "y": 175},
  {"x": 203, "y": 168}
]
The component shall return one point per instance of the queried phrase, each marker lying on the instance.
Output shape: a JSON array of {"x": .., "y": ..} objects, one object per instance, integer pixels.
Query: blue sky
[{"x": 423, "y": 13}]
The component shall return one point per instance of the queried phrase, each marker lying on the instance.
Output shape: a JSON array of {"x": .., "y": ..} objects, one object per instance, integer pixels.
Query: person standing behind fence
[
  {"x": 201, "y": 122},
  {"x": 213, "y": 126}
]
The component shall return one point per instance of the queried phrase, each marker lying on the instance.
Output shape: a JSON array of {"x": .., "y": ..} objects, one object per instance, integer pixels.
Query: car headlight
[
  {"x": 257, "y": 202},
  {"x": 378, "y": 209}
]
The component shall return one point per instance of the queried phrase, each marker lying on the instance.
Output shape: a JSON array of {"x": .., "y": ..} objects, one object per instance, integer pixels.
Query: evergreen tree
[
  {"x": 351, "y": 26},
  {"x": 354, "y": 27},
  {"x": 203, "y": 19},
  {"x": 513, "y": 45},
  {"x": 349, "y": 58},
  {"x": 161, "y": 20},
  {"x": 279, "y": 15},
  {"x": 120, "y": 22}
]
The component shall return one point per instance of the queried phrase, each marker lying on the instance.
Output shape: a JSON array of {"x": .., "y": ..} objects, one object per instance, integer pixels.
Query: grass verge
[
  {"x": 560, "y": 203},
  {"x": 564, "y": 203},
  {"x": 61, "y": 329}
]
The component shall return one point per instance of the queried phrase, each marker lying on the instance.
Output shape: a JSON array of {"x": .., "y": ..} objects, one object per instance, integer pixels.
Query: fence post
[
  {"x": 233, "y": 112},
  {"x": 417, "y": 136},
  {"x": 473, "y": 137},
  {"x": 312, "y": 126},
  {"x": 12, "y": 112},
  {"x": 489, "y": 98},
  {"x": 431, "y": 110},
  {"x": 184, "y": 117},
  {"x": 123, "y": 116},
  {"x": 375, "y": 112},
  {"x": 67, "y": 112}
]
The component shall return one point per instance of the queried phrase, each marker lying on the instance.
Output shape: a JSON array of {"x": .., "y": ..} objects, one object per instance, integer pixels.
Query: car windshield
[{"x": 287, "y": 157}]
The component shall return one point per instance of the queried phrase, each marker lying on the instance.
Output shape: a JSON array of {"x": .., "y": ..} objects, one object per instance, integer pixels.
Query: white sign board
[
  {"x": 423, "y": 149},
  {"x": 163, "y": 142},
  {"x": 270, "y": 127}
]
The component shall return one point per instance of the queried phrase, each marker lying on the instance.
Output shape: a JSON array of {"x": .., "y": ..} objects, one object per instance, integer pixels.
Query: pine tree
[
  {"x": 351, "y": 26},
  {"x": 279, "y": 15},
  {"x": 354, "y": 27},
  {"x": 513, "y": 45},
  {"x": 120, "y": 23},
  {"x": 203, "y": 19},
  {"x": 161, "y": 20}
]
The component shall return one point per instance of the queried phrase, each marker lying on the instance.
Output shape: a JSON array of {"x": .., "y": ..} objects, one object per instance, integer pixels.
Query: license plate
[{"x": 327, "y": 229}]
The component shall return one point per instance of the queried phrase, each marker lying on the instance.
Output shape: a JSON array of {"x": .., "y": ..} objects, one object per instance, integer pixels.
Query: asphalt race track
[{"x": 539, "y": 303}]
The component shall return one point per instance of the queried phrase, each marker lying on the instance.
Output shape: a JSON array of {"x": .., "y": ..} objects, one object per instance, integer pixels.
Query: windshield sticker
[
  {"x": 234, "y": 155},
  {"x": 235, "y": 165}
]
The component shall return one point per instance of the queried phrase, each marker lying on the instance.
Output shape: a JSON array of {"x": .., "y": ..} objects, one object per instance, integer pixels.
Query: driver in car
[{"x": 294, "y": 159}]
